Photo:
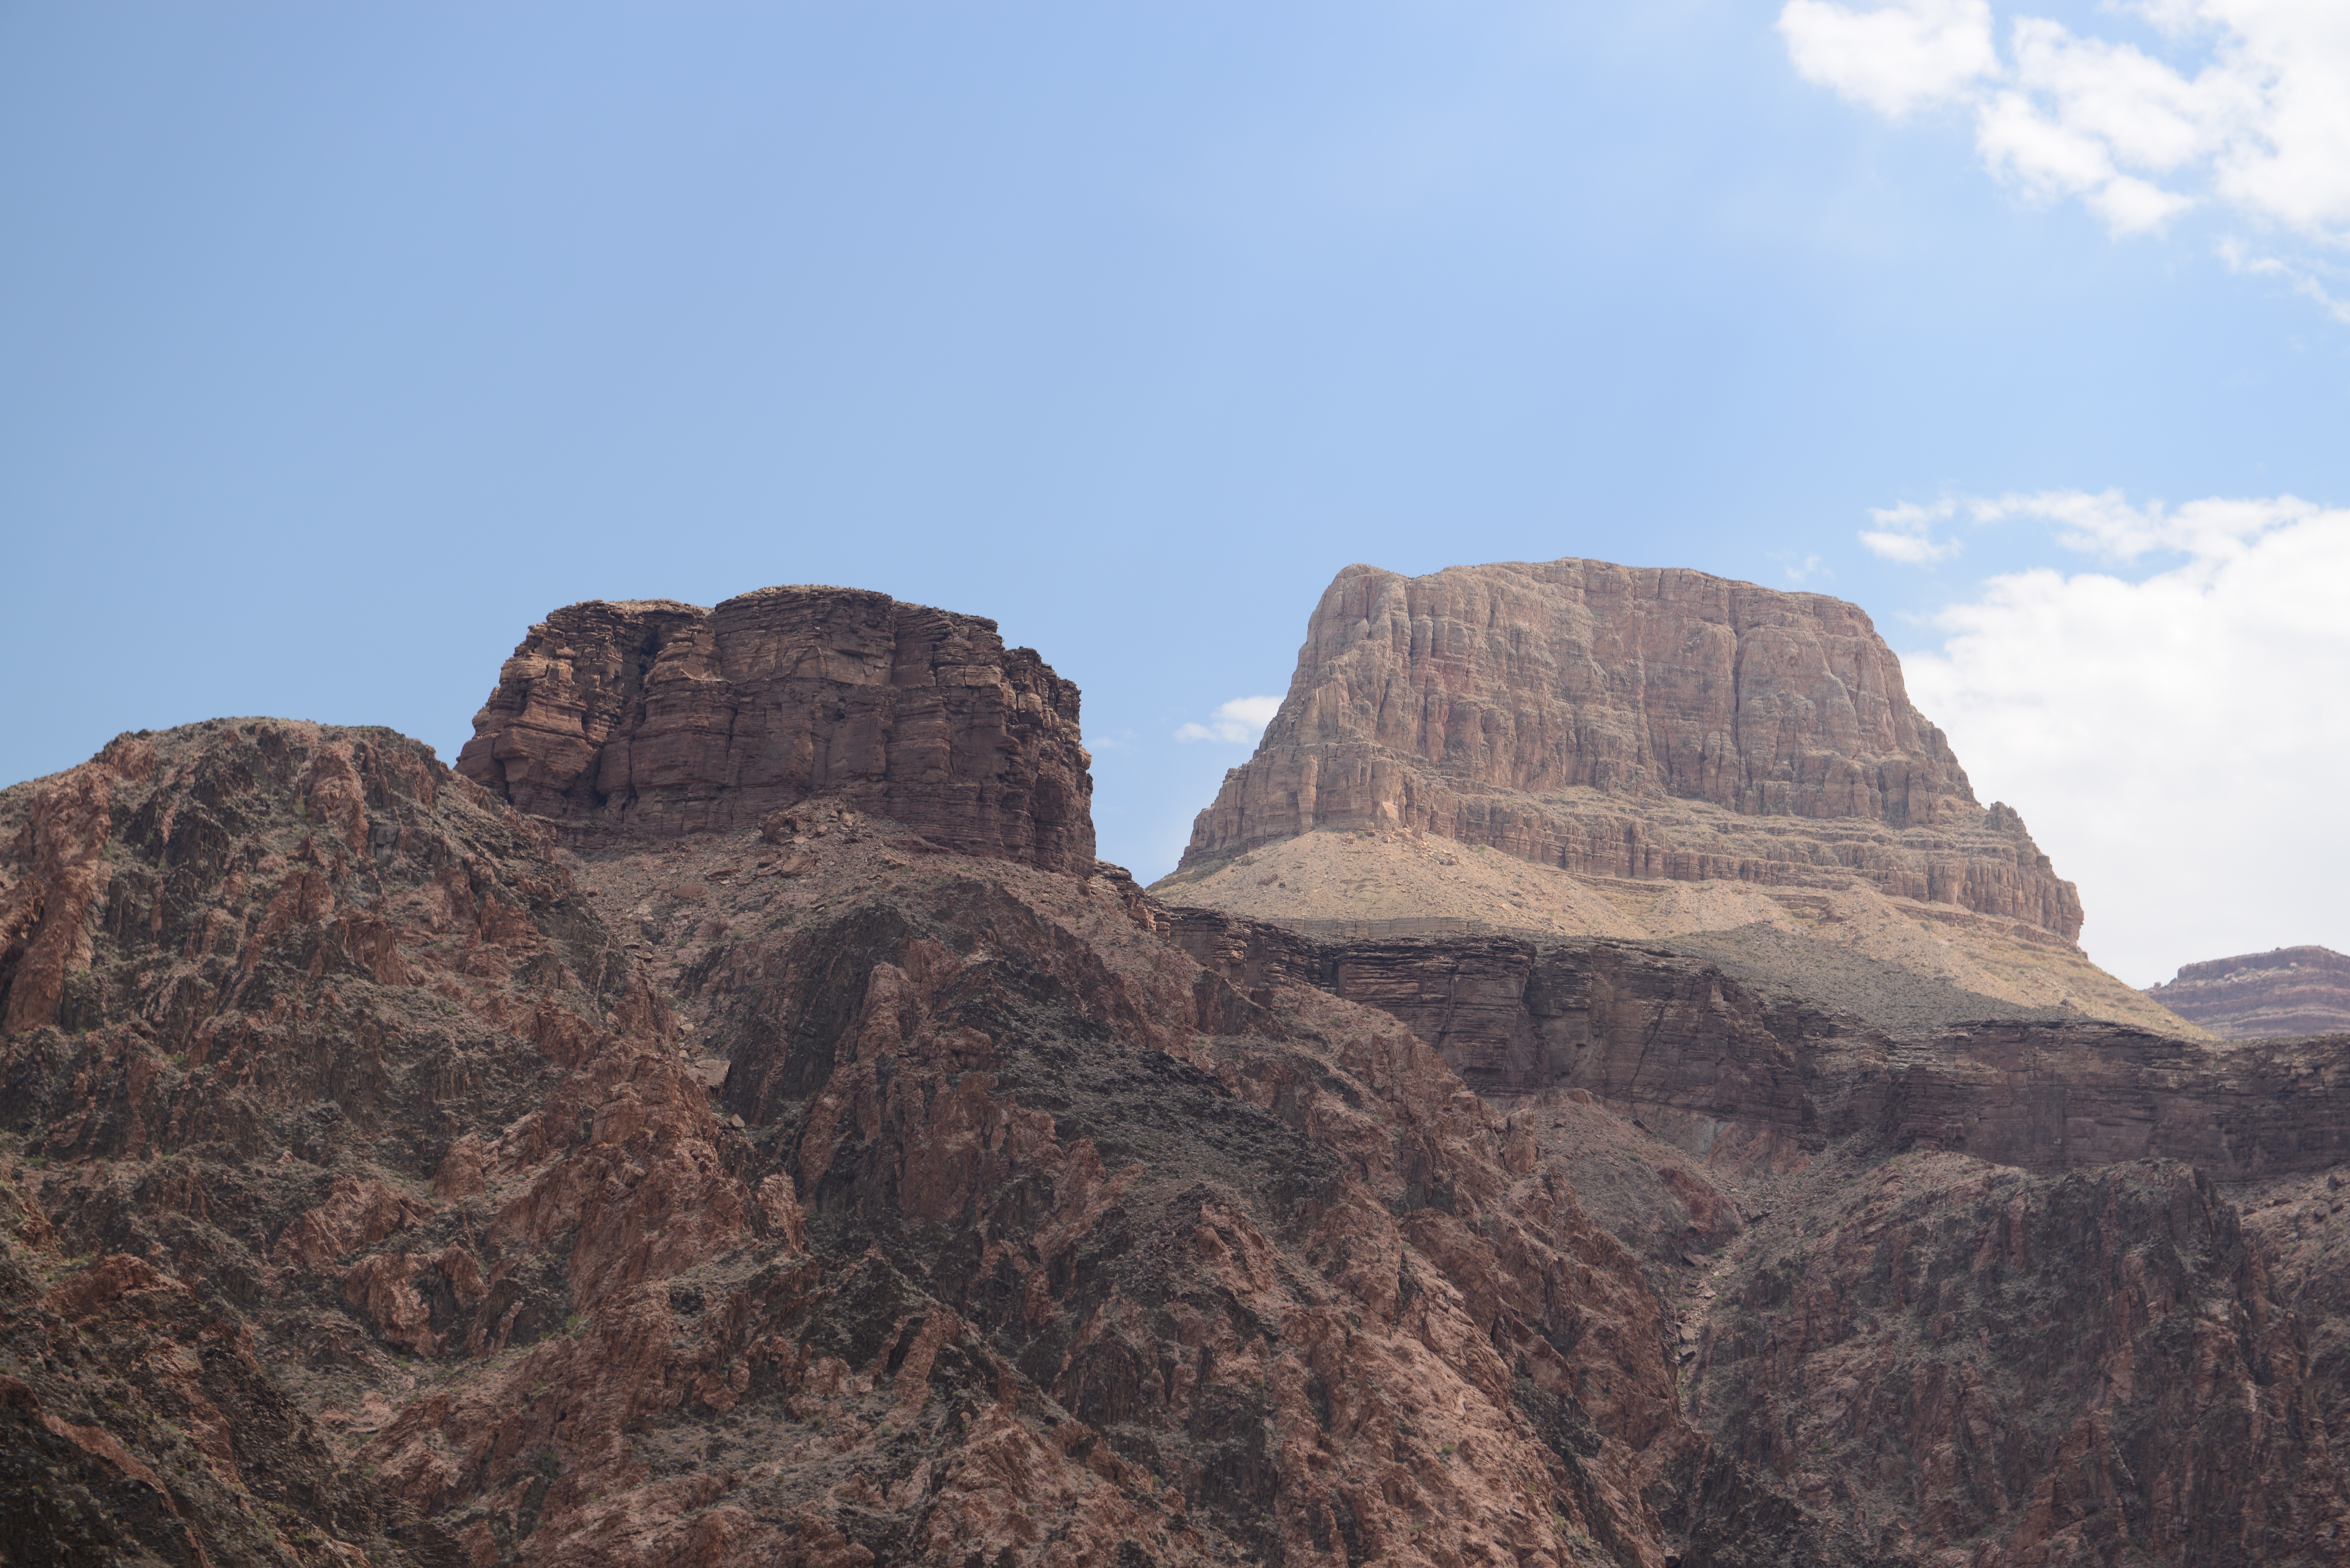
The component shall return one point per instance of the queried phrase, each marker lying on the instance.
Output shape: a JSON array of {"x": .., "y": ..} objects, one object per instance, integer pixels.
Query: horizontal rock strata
[
  {"x": 663, "y": 718},
  {"x": 2289, "y": 991},
  {"x": 1630, "y": 722},
  {"x": 1739, "y": 1074}
]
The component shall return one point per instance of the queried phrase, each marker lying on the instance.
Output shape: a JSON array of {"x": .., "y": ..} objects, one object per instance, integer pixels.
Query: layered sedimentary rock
[
  {"x": 1627, "y": 722},
  {"x": 2289, "y": 990},
  {"x": 1740, "y": 1073},
  {"x": 665, "y": 718},
  {"x": 1972, "y": 1296}
]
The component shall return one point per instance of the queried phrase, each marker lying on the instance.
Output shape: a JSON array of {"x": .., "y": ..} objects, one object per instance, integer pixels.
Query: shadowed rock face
[
  {"x": 375, "y": 1175},
  {"x": 1627, "y": 722},
  {"x": 1741, "y": 1075},
  {"x": 2093, "y": 1368},
  {"x": 2292, "y": 990},
  {"x": 665, "y": 718}
]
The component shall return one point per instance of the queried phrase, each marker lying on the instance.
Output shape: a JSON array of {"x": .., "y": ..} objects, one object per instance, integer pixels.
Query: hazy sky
[{"x": 338, "y": 344}]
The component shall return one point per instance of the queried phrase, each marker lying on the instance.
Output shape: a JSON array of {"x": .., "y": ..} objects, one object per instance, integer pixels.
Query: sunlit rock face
[{"x": 1632, "y": 722}]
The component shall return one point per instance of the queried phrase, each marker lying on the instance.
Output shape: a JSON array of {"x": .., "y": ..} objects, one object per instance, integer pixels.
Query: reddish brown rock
[
  {"x": 1007, "y": 1231},
  {"x": 801, "y": 1191},
  {"x": 2288, "y": 990},
  {"x": 665, "y": 718},
  {"x": 1631, "y": 722},
  {"x": 1747, "y": 1077},
  {"x": 1960, "y": 1362}
]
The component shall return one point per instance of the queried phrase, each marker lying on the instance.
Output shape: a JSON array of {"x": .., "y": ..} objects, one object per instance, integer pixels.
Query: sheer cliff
[{"x": 1627, "y": 722}]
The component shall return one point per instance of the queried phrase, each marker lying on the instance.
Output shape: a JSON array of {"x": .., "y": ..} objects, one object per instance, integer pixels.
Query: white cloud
[
  {"x": 1237, "y": 722},
  {"x": 1813, "y": 566},
  {"x": 1906, "y": 533},
  {"x": 2174, "y": 742},
  {"x": 2106, "y": 524},
  {"x": 2260, "y": 125},
  {"x": 1894, "y": 58}
]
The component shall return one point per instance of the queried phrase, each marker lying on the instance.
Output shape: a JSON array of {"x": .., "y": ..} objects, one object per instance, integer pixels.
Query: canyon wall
[
  {"x": 1625, "y": 721},
  {"x": 662, "y": 718},
  {"x": 1737, "y": 1074},
  {"x": 2291, "y": 990}
]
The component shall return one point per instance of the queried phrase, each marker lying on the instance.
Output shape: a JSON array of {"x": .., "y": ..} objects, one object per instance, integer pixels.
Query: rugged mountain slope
[
  {"x": 391, "y": 1173},
  {"x": 805, "y": 1194},
  {"x": 2289, "y": 991},
  {"x": 1973, "y": 1294}
]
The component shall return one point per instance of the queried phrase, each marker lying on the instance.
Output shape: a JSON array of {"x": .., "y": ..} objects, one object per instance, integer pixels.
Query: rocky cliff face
[
  {"x": 1958, "y": 1293},
  {"x": 2291, "y": 990},
  {"x": 381, "y": 1179},
  {"x": 1627, "y": 722},
  {"x": 390, "y": 1174},
  {"x": 1745, "y": 1074},
  {"x": 662, "y": 718}
]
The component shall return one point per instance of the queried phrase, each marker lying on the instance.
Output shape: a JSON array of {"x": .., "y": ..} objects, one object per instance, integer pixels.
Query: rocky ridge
[
  {"x": 807, "y": 1193},
  {"x": 393, "y": 1174},
  {"x": 1627, "y": 722},
  {"x": 2288, "y": 990}
]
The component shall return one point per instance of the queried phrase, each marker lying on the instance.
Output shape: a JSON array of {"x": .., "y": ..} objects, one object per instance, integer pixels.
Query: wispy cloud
[
  {"x": 1237, "y": 722},
  {"x": 2257, "y": 129},
  {"x": 2107, "y": 525},
  {"x": 1812, "y": 566},
  {"x": 1906, "y": 533},
  {"x": 2301, "y": 277}
]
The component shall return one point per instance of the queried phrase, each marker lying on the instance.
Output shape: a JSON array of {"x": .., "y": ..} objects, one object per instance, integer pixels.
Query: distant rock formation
[
  {"x": 666, "y": 718},
  {"x": 2292, "y": 990},
  {"x": 1633, "y": 722}
]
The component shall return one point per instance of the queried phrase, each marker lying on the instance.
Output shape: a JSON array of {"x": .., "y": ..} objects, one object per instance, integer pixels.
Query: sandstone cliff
[
  {"x": 1627, "y": 722},
  {"x": 2291, "y": 990},
  {"x": 665, "y": 718}
]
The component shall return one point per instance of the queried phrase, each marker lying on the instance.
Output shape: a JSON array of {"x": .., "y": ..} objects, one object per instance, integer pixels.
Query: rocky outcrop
[
  {"x": 1962, "y": 1362},
  {"x": 715, "y": 1201},
  {"x": 1627, "y": 722},
  {"x": 2288, "y": 990},
  {"x": 660, "y": 718},
  {"x": 1745, "y": 1075}
]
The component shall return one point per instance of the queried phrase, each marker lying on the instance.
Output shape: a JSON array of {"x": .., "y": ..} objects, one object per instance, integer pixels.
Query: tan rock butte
[{"x": 1627, "y": 722}]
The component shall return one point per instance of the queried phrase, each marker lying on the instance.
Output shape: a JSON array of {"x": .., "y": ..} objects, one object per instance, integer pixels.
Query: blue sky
[{"x": 337, "y": 345}]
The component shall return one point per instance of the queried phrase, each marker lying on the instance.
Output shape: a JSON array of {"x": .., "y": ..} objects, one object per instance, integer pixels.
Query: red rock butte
[
  {"x": 1630, "y": 723},
  {"x": 651, "y": 716}
]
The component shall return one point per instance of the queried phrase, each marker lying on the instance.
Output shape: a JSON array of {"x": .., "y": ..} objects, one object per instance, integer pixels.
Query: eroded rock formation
[
  {"x": 665, "y": 718},
  {"x": 1628, "y": 723},
  {"x": 818, "y": 1195},
  {"x": 674, "y": 1178},
  {"x": 2289, "y": 990},
  {"x": 1744, "y": 1073}
]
